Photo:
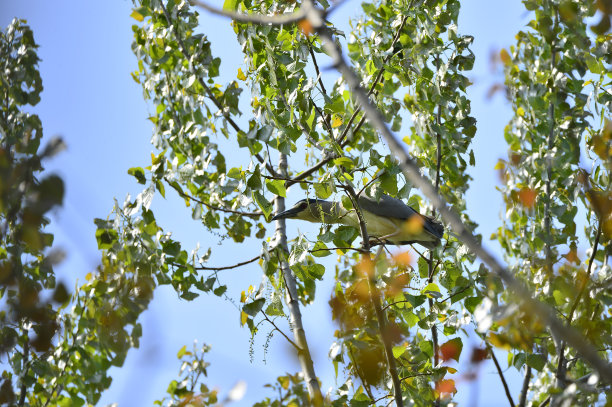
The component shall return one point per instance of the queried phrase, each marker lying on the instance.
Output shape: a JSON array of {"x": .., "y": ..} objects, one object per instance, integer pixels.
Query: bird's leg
[{"x": 386, "y": 237}]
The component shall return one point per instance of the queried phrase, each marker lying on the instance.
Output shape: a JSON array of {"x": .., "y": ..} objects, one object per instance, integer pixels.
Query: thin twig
[
  {"x": 360, "y": 250},
  {"x": 219, "y": 268},
  {"x": 525, "y": 388},
  {"x": 467, "y": 287},
  {"x": 545, "y": 402},
  {"x": 281, "y": 332},
  {"x": 501, "y": 375},
  {"x": 26, "y": 364},
  {"x": 316, "y": 66},
  {"x": 415, "y": 375}
]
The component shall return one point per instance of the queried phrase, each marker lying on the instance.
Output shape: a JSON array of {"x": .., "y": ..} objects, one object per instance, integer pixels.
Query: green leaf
[
  {"x": 593, "y": 64},
  {"x": 536, "y": 361},
  {"x": 139, "y": 174},
  {"x": 323, "y": 190},
  {"x": 398, "y": 351},
  {"x": 277, "y": 187},
  {"x": 106, "y": 238},
  {"x": 254, "y": 180},
  {"x": 189, "y": 296},
  {"x": 316, "y": 271},
  {"x": 411, "y": 319},
  {"x": 182, "y": 352},
  {"x": 320, "y": 249},
  {"x": 230, "y": 5},
  {"x": 262, "y": 202},
  {"x": 311, "y": 118},
  {"x": 219, "y": 291},
  {"x": 254, "y": 307},
  {"x": 389, "y": 183},
  {"x": 344, "y": 162},
  {"x": 432, "y": 290},
  {"x": 137, "y": 16},
  {"x": 235, "y": 173},
  {"x": 472, "y": 302}
]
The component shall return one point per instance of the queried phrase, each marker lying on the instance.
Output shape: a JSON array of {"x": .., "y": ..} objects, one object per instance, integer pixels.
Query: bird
[{"x": 388, "y": 219}]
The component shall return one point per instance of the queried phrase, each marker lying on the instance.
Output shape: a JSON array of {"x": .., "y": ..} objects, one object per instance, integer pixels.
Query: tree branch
[
  {"x": 261, "y": 19},
  {"x": 501, "y": 375},
  {"x": 25, "y": 363},
  {"x": 525, "y": 388},
  {"x": 220, "y": 268},
  {"x": 291, "y": 298},
  {"x": 281, "y": 332}
]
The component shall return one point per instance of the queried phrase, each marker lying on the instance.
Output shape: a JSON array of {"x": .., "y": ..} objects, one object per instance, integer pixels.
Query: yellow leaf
[
  {"x": 137, "y": 16},
  {"x": 520, "y": 111},
  {"x": 505, "y": 57},
  {"x": 243, "y": 318},
  {"x": 88, "y": 276},
  {"x": 242, "y": 297},
  {"x": 336, "y": 121},
  {"x": 241, "y": 75},
  {"x": 501, "y": 164}
]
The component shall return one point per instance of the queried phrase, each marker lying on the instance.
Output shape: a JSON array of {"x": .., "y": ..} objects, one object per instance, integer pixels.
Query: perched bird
[{"x": 388, "y": 220}]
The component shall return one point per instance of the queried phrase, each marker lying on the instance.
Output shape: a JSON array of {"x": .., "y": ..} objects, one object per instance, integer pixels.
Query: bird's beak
[{"x": 289, "y": 213}]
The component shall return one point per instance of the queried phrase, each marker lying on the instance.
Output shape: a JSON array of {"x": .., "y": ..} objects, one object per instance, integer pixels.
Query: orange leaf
[
  {"x": 479, "y": 354},
  {"x": 450, "y": 350},
  {"x": 414, "y": 225},
  {"x": 572, "y": 255},
  {"x": 402, "y": 258},
  {"x": 446, "y": 386},
  {"x": 365, "y": 268},
  {"x": 527, "y": 196},
  {"x": 306, "y": 27}
]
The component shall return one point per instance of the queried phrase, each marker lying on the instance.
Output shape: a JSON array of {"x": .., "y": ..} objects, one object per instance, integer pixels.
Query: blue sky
[{"x": 91, "y": 100}]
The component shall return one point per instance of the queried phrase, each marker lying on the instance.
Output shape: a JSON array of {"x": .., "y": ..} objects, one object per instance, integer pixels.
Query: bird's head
[{"x": 312, "y": 210}]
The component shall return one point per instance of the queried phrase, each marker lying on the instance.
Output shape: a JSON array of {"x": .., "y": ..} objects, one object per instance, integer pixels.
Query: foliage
[
  {"x": 559, "y": 89},
  {"x": 29, "y": 321},
  {"x": 402, "y": 316},
  {"x": 186, "y": 392}
]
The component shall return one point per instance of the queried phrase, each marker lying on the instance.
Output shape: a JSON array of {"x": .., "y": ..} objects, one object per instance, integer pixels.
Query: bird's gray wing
[
  {"x": 387, "y": 207},
  {"x": 390, "y": 207}
]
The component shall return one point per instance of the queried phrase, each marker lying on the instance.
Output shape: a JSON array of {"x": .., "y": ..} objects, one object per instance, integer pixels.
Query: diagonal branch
[
  {"x": 295, "y": 345},
  {"x": 501, "y": 375},
  {"x": 254, "y": 18}
]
